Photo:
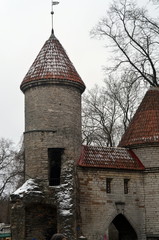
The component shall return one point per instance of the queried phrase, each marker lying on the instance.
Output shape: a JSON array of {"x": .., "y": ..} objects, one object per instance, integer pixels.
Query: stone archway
[
  {"x": 121, "y": 229},
  {"x": 40, "y": 222}
]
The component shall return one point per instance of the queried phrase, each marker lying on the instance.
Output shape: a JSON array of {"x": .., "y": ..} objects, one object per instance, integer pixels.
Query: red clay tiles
[
  {"x": 52, "y": 63},
  {"x": 144, "y": 127},
  {"x": 111, "y": 158}
]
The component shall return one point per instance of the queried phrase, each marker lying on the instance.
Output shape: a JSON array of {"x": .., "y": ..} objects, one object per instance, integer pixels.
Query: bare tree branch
[
  {"x": 108, "y": 110},
  {"x": 134, "y": 39},
  {"x": 11, "y": 167}
]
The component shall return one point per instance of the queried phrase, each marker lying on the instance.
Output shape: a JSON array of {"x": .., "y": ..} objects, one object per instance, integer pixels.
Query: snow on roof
[
  {"x": 109, "y": 157},
  {"x": 29, "y": 186},
  {"x": 52, "y": 63}
]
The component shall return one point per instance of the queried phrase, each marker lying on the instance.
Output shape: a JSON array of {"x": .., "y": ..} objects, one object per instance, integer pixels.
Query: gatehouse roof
[
  {"x": 109, "y": 157},
  {"x": 144, "y": 127},
  {"x": 53, "y": 64}
]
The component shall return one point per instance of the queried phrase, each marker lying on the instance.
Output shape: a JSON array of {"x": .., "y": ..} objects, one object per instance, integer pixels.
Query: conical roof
[
  {"x": 144, "y": 127},
  {"x": 52, "y": 65}
]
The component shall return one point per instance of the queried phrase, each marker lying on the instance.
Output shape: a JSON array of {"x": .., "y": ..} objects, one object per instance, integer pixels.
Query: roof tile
[
  {"x": 144, "y": 127},
  {"x": 52, "y": 63},
  {"x": 109, "y": 157}
]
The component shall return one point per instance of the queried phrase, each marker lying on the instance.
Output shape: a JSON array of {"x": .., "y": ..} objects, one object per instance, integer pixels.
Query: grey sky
[{"x": 25, "y": 25}]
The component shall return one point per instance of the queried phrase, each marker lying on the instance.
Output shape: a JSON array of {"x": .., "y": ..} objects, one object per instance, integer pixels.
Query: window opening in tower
[{"x": 55, "y": 155}]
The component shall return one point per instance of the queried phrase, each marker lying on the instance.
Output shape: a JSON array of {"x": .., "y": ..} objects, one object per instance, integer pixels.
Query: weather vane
[{"x": 52, "y": 12}]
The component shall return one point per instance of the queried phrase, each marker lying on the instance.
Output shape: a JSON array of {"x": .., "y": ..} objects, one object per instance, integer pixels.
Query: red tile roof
[
  {"x": 112, "y": 158},
  {"x": 144, "y": 127},
  {"x": 52, "y": 63}
]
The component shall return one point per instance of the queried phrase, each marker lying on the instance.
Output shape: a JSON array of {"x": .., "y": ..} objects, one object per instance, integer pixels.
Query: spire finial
[{"x": 52, "y": 12}]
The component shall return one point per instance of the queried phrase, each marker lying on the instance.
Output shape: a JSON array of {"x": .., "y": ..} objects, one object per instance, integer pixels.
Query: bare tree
[
  {"x": 108, "y": 110},
  {"x": 127, "y": 92},
  {"x": 11, "y": 167},
  {"x": 134, "y": 38},
  {"x": 155, "y": 1},
  {"x": 99, "y": 117}
]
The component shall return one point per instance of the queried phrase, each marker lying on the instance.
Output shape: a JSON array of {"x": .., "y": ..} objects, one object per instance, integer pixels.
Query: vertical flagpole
[{"x": 52, "y": 13}]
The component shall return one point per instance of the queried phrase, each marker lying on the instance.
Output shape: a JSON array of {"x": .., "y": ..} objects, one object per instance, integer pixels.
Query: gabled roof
[
  {"x": 109, "y": 157},
  {"x": 144, "y": 127},
  {"x": 53, "y": 64}
]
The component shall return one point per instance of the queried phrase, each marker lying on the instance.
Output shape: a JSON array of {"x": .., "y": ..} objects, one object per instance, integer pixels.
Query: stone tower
[
  {"x": 52, "y": 89},
  {"x": 142, "y": 136},
  {"x": 89, "y": 192},
  {"x": 52, "y": 142}
]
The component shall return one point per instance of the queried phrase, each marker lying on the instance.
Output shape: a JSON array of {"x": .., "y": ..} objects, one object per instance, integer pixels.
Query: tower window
[
  {"x": 108, "y": 185},
  {"x": 126, "y": 186},
  {"x": 54, "y": 155}
]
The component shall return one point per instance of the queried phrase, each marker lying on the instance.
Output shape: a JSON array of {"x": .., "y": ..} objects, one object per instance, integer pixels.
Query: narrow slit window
[
  {"x": 108, "y": 185},
  {"x": 54, "y": 155},
  {"x": 126, "y": 186}
]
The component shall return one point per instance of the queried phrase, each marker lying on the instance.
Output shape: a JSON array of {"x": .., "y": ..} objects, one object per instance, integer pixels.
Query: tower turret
[
  {"x": 52, "y": 89},
  {"x": 142, "y": 134},
  {"x": 46, "y": 203}
]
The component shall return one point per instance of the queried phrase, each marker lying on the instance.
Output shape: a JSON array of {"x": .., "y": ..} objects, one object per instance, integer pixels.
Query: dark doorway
[
  {"x": 120, "y": 229},
  {"x": 40, "y": 222},
  {"x": 54, "y": 155}
]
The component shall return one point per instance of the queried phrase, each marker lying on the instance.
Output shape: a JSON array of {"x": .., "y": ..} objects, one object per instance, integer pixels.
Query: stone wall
[
  {"x": 18, "y": 221},
  {"x": 151, "y": 185},
  {"x": 39, "y": 211},
  {"x": 148, "y": 155},
  {"x": 52, "y": 120},
  {"x": 98, "y": 208}
]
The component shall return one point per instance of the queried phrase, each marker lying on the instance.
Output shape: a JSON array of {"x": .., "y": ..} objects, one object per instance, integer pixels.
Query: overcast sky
[{"x": 25, "y": 25}]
